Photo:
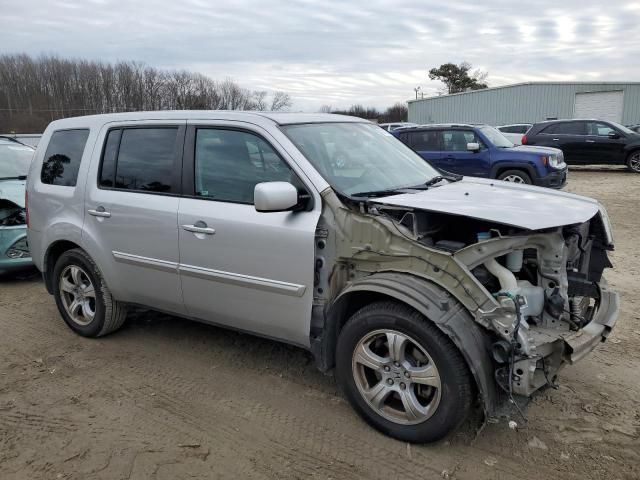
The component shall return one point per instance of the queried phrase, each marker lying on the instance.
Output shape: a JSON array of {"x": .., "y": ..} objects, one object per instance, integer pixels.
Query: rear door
[
  {"x": 427, "y": 144},
  {"x": 569, "y": 137},
  {"x": 241, "y": 268},
  {"x": 131, "y": 203},
  {"x": 458, "y": 159},
  {"x": 600, "y": 145}
]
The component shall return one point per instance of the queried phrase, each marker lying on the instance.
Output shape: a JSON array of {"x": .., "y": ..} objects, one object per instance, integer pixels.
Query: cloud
[{"x": 337, "y": 52}]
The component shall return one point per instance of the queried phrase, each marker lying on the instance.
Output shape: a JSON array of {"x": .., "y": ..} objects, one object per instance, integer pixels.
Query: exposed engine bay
[
  {"x": 545, "y": 283},
  {"x": 11, "y": 214}
]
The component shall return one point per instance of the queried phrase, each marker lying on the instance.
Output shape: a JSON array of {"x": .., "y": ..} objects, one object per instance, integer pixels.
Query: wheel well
[
  {"x": 324, "y": 339},
  {"x": 51, "y": 257},
  {"x": 631, "y": 152},
  {"x": 501, "y": 170},
  {"x": 428, "y": 299}
]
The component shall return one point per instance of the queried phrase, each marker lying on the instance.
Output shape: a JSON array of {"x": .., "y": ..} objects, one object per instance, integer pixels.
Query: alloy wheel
[
  {"x": 514, "y": 179},
  {"x": 634, "y": 162},
  {"x": 396, "y": 377},
  {"x": 78, "y": 295}
]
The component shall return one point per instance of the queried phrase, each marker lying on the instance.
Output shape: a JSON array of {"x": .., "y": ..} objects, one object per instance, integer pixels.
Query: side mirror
[
  {"x": 275, "y": 196},
  {"x": 614, "y": 135},
  {"x": 473, "y": 146}
]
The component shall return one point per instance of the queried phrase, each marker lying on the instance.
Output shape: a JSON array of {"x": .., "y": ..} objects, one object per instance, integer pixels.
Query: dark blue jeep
[{"x": 482, "y": 151}]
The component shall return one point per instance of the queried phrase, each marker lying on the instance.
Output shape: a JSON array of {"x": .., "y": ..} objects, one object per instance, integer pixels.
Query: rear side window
[
  {"x": 140, "y": 159},
  {"x": 62, "y": 158},
  {"x": 565, "y": 128},
  {"x": 427, "y": 141},
  {"x": 515, "y": 129}
]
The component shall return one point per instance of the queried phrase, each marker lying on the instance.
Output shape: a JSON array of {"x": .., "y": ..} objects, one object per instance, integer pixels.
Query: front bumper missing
[{"x": 583, "y": 341}]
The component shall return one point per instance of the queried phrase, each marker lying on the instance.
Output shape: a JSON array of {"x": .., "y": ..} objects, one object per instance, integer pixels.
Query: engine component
[
  {"x": 514, "y": 260},
  {"x": 554, "y": 302},
  {"x": 449, "y": 245}
]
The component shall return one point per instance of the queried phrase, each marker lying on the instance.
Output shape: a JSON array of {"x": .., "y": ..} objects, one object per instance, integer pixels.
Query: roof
[
  {"x": 259, "y": 118},
  {"x": 520, "y": 85},
  {"x": 442, "y": 125}
]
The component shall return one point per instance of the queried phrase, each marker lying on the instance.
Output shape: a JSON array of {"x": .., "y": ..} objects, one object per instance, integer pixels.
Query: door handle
[
  {"x": 199, "y": 227},
  {"x": 99, "y": 212},
  {"x": 555, "y": 139},
  {"x": 590, "y": 141}
]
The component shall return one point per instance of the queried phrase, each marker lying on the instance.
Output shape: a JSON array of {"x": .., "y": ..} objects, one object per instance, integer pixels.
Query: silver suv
[{"x": 427, "y": 292}]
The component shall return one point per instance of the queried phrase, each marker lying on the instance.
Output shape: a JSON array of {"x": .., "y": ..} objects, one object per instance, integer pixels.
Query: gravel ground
[{"x": 166, "y": 398}]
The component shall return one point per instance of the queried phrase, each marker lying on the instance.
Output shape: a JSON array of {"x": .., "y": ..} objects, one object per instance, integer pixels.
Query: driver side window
[
  {"x": 599, "y": 129},
  {"x": 229, "y": 164},
  {"x": 457, "y": 140}
]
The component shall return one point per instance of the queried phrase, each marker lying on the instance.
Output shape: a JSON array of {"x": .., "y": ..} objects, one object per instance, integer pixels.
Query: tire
[
  {"x": 515, "y": 176},
  {"x": 633, "y": 161},
  {"x": 77, "y": 281},
  {"x": 443, "y": 404}
]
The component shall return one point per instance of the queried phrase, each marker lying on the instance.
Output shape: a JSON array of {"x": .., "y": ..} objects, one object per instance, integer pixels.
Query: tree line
[
  {"x": 36, "y": 91},
  {"x": 396, "y": 113}
]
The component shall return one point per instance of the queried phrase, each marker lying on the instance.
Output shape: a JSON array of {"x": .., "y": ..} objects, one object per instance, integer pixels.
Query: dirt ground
[{"x": 170, "y": 399}]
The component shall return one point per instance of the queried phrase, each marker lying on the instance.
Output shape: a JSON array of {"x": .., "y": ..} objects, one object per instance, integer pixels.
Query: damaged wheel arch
[{"x": 430, "y": 300}]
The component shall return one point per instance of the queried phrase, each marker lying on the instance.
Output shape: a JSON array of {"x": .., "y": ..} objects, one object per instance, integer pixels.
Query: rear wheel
[
  {"x": 515, "y": 176},
  {"x": 82, "y": 297},
  {"x": 633, "y": 161},
  {"x": 402, "y": 374}
]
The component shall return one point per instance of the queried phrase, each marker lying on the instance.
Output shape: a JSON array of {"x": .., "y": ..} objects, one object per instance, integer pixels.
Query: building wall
[{"x": 524, "y": 103}]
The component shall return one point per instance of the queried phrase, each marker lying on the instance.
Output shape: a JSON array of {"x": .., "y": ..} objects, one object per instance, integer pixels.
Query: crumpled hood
[
  {"x": 13, "y": 191},
  {"x": 517, "y": 205}
]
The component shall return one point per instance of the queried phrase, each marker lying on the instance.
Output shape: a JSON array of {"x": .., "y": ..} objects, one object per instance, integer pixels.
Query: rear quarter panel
[{"x": 56, "y": 212}]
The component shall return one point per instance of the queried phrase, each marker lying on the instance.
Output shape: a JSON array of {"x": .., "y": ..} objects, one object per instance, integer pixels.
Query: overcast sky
[{"x": 339, "y": 52}]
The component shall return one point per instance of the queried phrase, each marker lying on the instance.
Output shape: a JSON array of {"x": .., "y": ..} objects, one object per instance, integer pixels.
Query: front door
[
  {"x": 239, "y": 267},
  {"x": 132, "y": 208},
  {"x": 458, "y": 159},
  {"x": 603, "y": 144}
]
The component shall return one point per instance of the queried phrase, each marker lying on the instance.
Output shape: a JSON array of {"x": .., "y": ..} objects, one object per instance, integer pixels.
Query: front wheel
[
  {"x": 515, "y": 176},
  {"x": 633, "y": 161},
  {"x": 402, "y": 374}
]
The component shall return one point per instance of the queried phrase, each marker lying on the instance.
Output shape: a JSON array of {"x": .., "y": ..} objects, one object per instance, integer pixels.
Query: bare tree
[
  {"x": 281, "y": 101},
  {"x": 35, "y": 91}
]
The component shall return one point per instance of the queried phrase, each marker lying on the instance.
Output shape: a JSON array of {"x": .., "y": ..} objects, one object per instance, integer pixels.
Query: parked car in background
[
  {"x": 515, "y": 131},
  {"x": 15, "y": 159},
  {"x": 30, "y": 139},
  {"x": 482, "y": 151},
  {"x": 589, "y": 142},
  {"x": 390, "y": 127},
  {"x": 635, "y": 128},
  {"x": 412, "y": 285}
]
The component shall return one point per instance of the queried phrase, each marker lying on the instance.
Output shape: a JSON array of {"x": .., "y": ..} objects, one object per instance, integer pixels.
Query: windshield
[
  {"x": 496, "y": 137},
  {"x": 359, "y": 157},
  {"x": 14, "y": 160}
]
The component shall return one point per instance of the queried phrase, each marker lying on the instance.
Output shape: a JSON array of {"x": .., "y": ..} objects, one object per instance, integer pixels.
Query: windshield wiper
[
  {"x": 438, "y": 178},
  {"x": 379, "y": 193},
  {"x": 19, "y": 177}
]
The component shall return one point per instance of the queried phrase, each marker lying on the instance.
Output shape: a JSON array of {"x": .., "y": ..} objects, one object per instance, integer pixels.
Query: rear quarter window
[{"x": 62, "y": 158}]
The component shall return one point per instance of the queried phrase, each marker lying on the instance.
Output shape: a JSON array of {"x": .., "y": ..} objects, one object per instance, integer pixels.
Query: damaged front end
[
  {"x": 14, "y": 249},
  {"x": 535, "y": 298},
  {"x": 552, "y": 304}
]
